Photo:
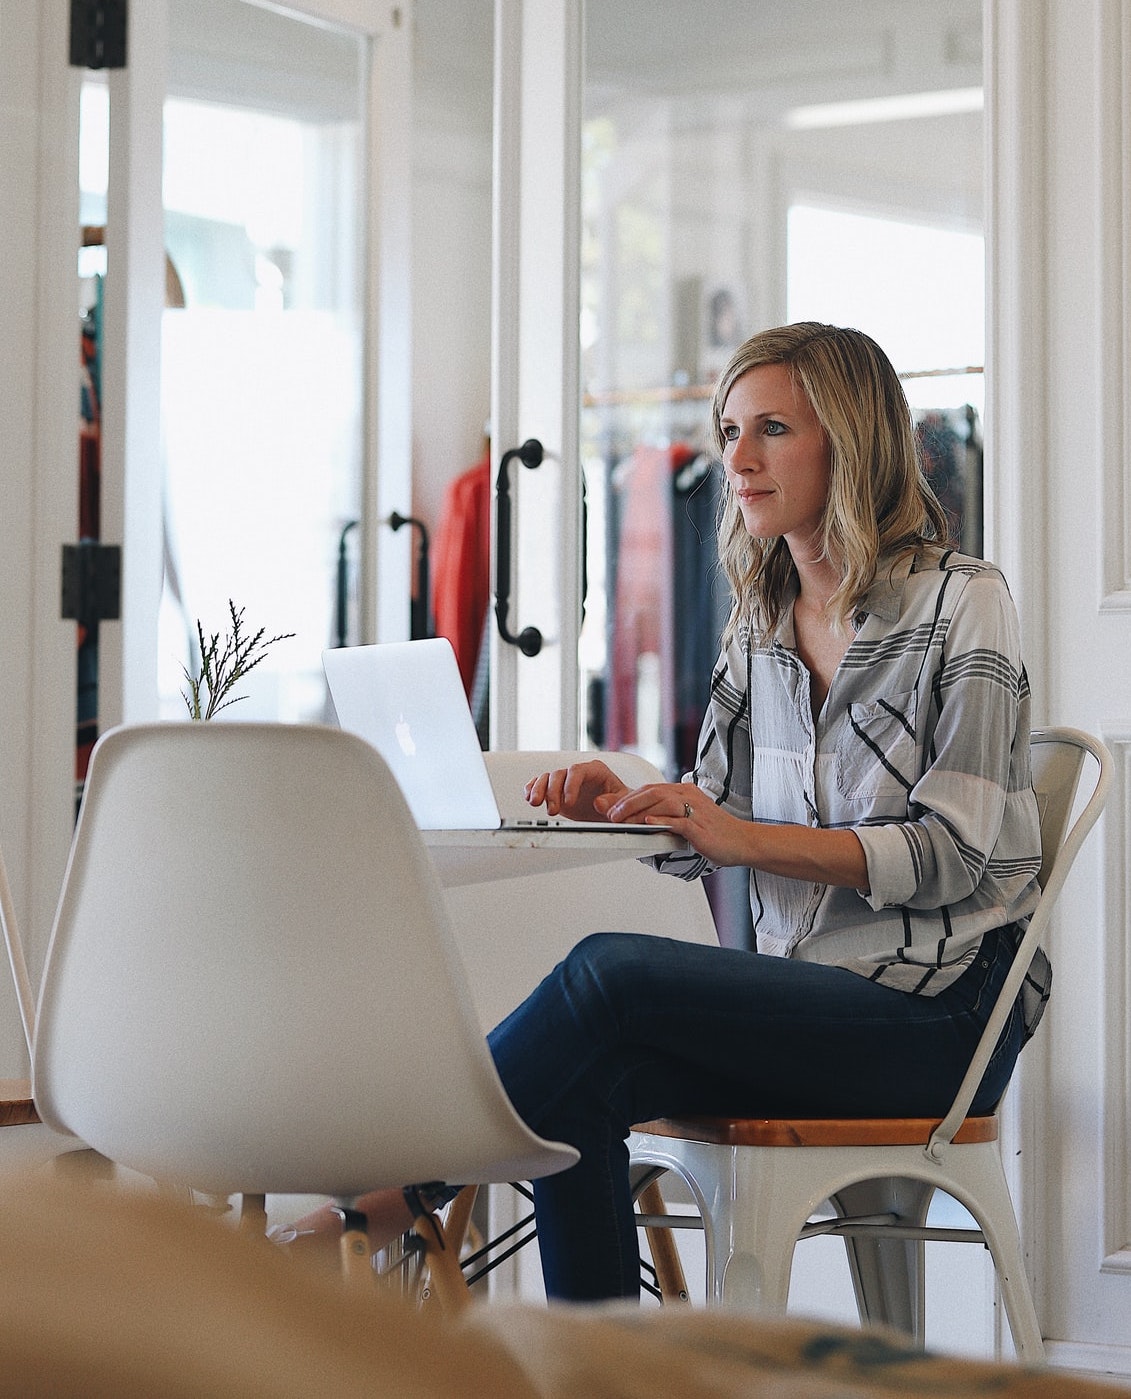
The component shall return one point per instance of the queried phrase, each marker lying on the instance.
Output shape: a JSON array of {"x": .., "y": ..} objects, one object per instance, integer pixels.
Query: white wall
[{"x": 1060, "y": 429}]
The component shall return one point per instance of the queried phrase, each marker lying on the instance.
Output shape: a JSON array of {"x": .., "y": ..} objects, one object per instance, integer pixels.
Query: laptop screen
[{"x": 406, "y": 699}]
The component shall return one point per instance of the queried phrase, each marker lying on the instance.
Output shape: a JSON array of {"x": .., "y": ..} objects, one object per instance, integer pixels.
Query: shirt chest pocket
[{"x": 875, "y": 754}]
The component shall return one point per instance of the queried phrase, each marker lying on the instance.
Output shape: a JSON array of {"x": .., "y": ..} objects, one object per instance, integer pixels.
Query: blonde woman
[{"x": 865, "y": 754}]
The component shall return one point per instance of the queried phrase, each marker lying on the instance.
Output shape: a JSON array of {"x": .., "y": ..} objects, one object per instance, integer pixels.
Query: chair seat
[
  {"x": 16, "y": 1106},
  {"x": 816, "y": 1131}
]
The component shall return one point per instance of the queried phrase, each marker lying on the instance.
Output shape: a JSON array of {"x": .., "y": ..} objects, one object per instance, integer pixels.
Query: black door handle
[{"x": 529, "y": 640}]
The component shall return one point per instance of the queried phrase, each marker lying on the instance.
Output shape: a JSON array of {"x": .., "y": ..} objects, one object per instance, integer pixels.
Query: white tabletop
[{"x": 474, "y": 857}]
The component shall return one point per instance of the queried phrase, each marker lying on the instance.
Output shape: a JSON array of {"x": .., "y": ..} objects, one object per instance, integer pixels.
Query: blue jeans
[{"x": 630, "y": 1027}]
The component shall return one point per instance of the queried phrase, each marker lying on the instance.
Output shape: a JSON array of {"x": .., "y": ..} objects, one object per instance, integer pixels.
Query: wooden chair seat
[
  {"x": 816, "y": 1131},
  {"x": 16, "y": 1106}
]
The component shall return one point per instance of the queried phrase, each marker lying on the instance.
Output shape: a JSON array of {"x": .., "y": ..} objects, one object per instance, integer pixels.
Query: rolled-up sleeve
[{"x": 970, "y": 817}]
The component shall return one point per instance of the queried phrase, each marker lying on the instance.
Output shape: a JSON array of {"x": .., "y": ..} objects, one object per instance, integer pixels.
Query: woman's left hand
[
  {"x": 716, "y": 834},
  {"x": 813, "y": 853}
]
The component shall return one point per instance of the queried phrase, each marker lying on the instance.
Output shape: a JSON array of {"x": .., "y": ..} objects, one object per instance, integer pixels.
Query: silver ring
[{"x": 687, "y": 811}]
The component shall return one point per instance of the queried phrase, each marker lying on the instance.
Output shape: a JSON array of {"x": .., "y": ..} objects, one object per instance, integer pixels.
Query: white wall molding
[
  {"x": 1115, "y": 1195},
  {"x": 1093, "y": 1360},
  {"x": 1113, "y": 220},
  {"x": 1015, "y": 463},
  {"x": 1016, "y": 313}
]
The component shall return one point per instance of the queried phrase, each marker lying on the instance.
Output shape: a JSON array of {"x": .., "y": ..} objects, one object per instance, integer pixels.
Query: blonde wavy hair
[{"x": 880, "y": 503}]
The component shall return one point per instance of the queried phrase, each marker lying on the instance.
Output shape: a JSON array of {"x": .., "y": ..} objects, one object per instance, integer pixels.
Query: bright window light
[
  {"x": 900, "y": 107},
  {"x": 917, "y": 289}
]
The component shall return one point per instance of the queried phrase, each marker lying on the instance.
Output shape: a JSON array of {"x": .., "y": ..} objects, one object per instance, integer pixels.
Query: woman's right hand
[{"x": 574, "y": 791}]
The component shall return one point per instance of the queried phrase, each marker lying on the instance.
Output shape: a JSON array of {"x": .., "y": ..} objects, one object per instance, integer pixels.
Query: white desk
[{"x": 476, "y": 857}]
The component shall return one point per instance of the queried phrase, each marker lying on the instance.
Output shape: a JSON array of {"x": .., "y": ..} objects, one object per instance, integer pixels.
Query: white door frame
[
  {"x": 39, "y": 102},
  {"x": 535, "y": 361},
  {"x": 39, "y": 99},
  {"x": 1058, "y": 117}
]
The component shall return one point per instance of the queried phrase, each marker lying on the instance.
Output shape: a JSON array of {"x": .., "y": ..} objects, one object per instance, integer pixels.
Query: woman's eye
[
  {"x": 730, "y": 432},
  {"x": 773, "y": 428}
]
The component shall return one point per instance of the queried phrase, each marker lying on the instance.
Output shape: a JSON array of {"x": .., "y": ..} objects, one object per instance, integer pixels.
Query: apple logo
[{"x": 404, "y": 738}]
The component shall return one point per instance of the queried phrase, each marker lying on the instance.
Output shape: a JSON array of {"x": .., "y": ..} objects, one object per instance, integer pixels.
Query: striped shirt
[{"x": 921, "y": 748}]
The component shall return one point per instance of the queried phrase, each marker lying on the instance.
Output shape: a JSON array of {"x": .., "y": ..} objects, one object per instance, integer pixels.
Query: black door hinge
[
  {"x": 92, "y": 582},
  {"x": 98, "y": 34}
]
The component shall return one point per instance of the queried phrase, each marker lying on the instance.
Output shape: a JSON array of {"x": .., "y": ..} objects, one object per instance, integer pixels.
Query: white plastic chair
[
  {"x": 758, "y": 1182},
  {"x": 251, "y": 985}
]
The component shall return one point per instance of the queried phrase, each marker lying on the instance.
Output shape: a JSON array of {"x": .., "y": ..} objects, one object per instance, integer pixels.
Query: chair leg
[
  {"x": 888, "y": 1274},
  {"x": 993, "y": 1211},
  {"x": 661, "y": 1242},
  {"x": 253, "y": 1215},
  {"x": 459, "y": 1218},
  {"x": 445, "y": 1273},
  {"x": 83, "y": 1165},
  {"x": 353, "y": 1248}
]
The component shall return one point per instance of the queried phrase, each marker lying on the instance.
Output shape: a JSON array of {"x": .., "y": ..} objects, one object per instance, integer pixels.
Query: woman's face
[{"x": 776, "y": 457}]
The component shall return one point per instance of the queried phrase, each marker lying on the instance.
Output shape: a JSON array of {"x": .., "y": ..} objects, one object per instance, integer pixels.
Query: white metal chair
[
  {"x": 759, "y": 1182},
  {"x": 251, "y": 985}
]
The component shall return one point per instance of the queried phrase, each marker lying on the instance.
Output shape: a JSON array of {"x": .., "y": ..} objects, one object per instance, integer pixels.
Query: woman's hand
[
  {"x": 716, "y": 834},
  {"x": 817, "y": 855},
  {"x": 575, "y": 791}
]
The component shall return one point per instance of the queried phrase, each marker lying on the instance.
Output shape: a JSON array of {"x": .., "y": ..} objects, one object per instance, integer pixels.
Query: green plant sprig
[{"x": 222, "y": 668}]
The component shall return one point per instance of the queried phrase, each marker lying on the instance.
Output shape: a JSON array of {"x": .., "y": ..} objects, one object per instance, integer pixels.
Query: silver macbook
[{"x": 406, "y": 698}]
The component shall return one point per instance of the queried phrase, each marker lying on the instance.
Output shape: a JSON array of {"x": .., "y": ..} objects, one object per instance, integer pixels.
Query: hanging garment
[
  {"x": 641, "y": 636},
  {"x": 461, "y": 566},
  {"x": 950, "y": 443}
]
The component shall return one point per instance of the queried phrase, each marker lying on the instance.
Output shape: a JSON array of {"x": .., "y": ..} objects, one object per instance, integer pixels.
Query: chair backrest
[
  {"x": 251, "y": 984},
  {"x": 1058, "y": 759},
  {"x": 512, "y": 932}
]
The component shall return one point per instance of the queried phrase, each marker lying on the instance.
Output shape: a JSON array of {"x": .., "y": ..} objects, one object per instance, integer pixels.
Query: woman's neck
[{"x": 818, "y": 579}]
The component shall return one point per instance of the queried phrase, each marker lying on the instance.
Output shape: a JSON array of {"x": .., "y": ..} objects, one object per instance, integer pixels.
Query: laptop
[{"x": 407, "y": 700}]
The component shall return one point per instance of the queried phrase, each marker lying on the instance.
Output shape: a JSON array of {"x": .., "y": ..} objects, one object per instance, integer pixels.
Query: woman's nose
[{"x": 742, "y": 456}]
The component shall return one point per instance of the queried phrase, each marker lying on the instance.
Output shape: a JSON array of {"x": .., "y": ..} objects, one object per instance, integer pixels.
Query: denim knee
[{"x": 606, "y": 965}]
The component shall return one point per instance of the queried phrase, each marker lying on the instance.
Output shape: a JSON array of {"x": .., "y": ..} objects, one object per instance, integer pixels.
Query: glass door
[
  {"x": 263, "y": 352},
  {"x": 702, "y": 172},
  {"x": 741, "y": 167},
  {"x": 256, "y": 401}
]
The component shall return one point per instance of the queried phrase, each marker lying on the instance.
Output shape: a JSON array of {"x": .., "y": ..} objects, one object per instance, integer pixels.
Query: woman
[{"x": 865, "y": 754}]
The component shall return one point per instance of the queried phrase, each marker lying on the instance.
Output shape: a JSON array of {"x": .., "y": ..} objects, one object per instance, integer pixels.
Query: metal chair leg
[{"x": 888, "y": 1274}]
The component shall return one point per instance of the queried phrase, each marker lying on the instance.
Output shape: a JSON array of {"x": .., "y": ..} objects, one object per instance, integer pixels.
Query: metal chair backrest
[{"x": 1058, "y": 758}]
